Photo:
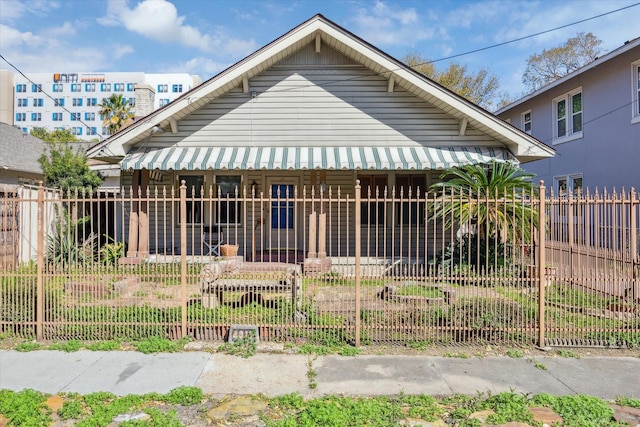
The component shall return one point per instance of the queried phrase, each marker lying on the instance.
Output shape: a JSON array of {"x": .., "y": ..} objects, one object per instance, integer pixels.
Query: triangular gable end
[{"x": 314, "y": 36}]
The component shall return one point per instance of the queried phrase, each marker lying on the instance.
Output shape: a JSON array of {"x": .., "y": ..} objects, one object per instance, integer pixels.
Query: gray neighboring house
[
  {"x": 592, "y": 118},
  {"x": 19, "y": 153}
]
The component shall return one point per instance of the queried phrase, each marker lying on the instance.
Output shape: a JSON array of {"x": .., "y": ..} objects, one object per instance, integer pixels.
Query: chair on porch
[{"x": 212, "y": 239}]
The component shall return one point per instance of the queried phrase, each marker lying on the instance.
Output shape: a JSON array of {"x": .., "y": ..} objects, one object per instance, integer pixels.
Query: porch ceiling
[{"x": 300, "y": 158}]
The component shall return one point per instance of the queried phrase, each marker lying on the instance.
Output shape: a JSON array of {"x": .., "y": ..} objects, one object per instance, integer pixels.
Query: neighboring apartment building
[
  {"x": 592, "y": 118},
  {"x": 70, "y": 100}
]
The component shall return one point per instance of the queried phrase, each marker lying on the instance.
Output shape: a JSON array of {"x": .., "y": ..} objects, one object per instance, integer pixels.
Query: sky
[{"x": 203, "y": 37}]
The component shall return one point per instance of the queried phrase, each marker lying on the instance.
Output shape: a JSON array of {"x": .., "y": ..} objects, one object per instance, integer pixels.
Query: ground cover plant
[{"x": 185, "y": 404}]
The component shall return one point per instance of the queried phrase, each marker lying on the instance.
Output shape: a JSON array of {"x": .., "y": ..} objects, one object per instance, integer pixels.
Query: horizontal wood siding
[{"x": 317, "y": 102}]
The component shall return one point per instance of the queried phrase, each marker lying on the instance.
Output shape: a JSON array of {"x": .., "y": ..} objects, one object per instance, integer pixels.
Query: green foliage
[
  {"x": 67, "y": 169},
  {"x": 57, "y": 135},
  {"x": 567, "y": 353},
  {"x": 159, "y": 345},
  {"x": 71, "y": 409},
  {"x": 108, "y": 345},
  {"x": 67, "y": 244},
  {"x": 341, "y": 411},
  {"x": 25, "y": 408},
  {"x": 508, "y": 406},
  {"x": 464, "y": 195},
  {"x": 28, "y": 346},
  {"x": 110, "y": 253},
  {"x": 292, "y": 401},
  {"x": 244, "y": 347},
  {"x": 577, "y": 411},
  {"x": 184, "y": 395},
  {"x": 115, "y": 111},
  {"x": 66, "y": 346},
  {"x": 628, "y": 401},
  {"x": 515, "y": 353}
]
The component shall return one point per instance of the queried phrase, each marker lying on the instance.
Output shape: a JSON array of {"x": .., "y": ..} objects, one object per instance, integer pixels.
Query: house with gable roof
[
  {"x": 318, "y": 108},
  {"x": 592, "y": 118}
]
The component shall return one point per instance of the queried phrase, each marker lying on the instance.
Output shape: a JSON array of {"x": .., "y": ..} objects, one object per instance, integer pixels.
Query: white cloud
[
  {"x": 384, "y": 25},
  {"x": 14, "y": 9},
  {"x": 204, "y": 67},
  {"x": 67, "y": 29},
  {"x": 121, "y": 50},
  {"x": 159, "y": 20},
  {"x": 12, "y": 38}
]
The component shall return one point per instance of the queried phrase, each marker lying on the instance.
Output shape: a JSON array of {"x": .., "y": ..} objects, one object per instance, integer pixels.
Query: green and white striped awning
[{"x": 298, "y": 158}]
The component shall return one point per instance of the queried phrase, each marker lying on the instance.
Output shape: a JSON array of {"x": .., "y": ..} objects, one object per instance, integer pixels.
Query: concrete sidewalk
[{"x": 125, "y": 372}]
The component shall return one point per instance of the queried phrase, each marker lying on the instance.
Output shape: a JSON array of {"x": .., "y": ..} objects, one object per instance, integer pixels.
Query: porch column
[
  {"x": 312, "y": 235},
  {"x": 139, "y": 218}
]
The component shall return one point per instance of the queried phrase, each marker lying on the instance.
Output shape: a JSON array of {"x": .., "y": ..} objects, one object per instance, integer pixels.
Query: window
[
  {"x": 38, "y": 102},
  {"x": 132, "y": 101},
  {"x": 36, "y": 88},
  {"x": 89, "y": 116},
  {"x": 163, "y": 88},
  {"x": 131, "y": 87},
  {"x": 21, "y": 117},
  {"x": 36, "y": 117},
  {"x": 56, "y": 117},
  {"x": 77, "y": 102},
  {"x": 58, "y": 87},
  {"x": 21, "y": 88},
  {"x": 164, "y": 101},
  {"x": 23, "y": 102},
  {"x": 568, "y": 116},
  {"x": 105, "y": 131},
  {"x": 76, "y": 87},
  {"x": 372, "y": 211},
  {"x": 92, "y": 102},
  {"x": 176, "y": 88},
  {"x": 105, "y": 87},
  {"x": 526, "y": 122},
  {"x": 282, "y": 206},
  {"x": 91, "y": 131},
  {"x": 636, "y": 92},
  {"x": 76, "y": 130},
  {"x": 90, "y": 87},
  {"x": 59, "y": 102},
  {"x": 118, "y": 87},
  {"x": 569, "y": 184},
  {"x": 228, "y": 210},
  {"x": 75, "y": 116},
  {"x": 412, "y": 209},
  {"x": 194, "y": 197}
]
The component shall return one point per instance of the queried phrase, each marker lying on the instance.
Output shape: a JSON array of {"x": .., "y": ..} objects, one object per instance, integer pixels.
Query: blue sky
[{"x": 204, "y": 37}]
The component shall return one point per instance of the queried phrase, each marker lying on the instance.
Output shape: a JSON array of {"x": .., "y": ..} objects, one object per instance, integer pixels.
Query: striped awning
[{"x": 298, "y": 158}]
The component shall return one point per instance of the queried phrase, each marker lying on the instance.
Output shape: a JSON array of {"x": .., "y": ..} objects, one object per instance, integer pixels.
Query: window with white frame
[
  {"x": 567, "y": 115},
  {"x": 526, "y": 122},
  {"x": 635, "y": 70},
  {"x": 569, "y": 184}
]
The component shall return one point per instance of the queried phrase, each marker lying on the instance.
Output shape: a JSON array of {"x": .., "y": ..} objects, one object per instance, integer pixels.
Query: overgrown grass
[{"x": 28, "y": 408}]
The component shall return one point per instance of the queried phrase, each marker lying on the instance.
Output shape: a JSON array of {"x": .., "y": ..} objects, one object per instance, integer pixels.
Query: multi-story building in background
[{"x": 71, "y": 100}]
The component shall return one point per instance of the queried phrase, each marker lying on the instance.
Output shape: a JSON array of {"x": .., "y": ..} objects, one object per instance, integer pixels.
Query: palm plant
[
  {"x": 490, "y": 201},
  {"x": 115, "y": 111}
]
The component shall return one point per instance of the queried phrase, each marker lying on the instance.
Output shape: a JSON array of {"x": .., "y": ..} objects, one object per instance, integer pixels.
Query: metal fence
[{"x": 345, "y": 265}]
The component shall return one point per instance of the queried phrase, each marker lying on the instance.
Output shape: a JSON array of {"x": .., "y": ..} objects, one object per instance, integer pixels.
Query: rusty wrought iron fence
[{"x": 331, "y": 266}]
